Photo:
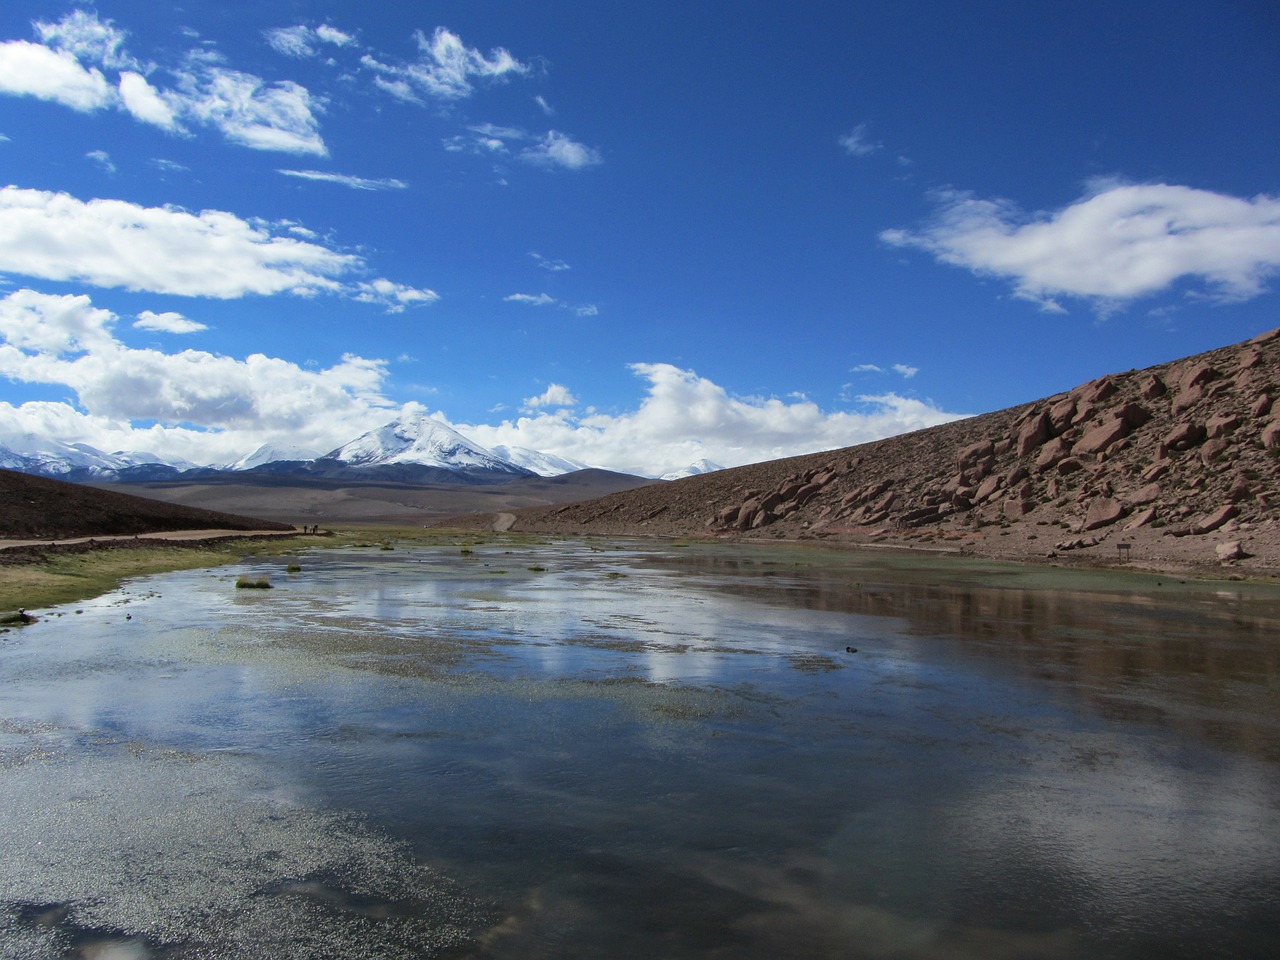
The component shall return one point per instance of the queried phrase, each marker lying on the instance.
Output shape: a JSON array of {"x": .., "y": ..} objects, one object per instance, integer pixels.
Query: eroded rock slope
[{"x": 1178, "y": 461}]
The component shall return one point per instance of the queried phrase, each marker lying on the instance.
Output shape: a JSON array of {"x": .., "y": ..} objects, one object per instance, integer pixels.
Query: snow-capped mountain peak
[
  {"x": 692, "y": 470},
  {"x": 271, "y": 453},
  {"x": 543, "y": 464},
  {"x": 419, "y": 439}
]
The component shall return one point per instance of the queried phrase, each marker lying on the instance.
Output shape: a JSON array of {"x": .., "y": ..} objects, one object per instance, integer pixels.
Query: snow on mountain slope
[
  {"x": 419, "y": 439},
  {"x": 692, "y": 470},
  {"x": 271, "y": 453},
  {"x": 543, "y": 464}
]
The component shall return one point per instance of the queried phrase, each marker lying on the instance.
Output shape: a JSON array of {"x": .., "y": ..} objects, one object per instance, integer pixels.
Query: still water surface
[{"x": 619, "y": 749}]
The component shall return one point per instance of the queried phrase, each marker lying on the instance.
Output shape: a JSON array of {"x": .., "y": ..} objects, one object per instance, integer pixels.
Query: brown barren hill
[
  {"x": 1173, "y": 466},
  {"x": 37, "y": 508}
]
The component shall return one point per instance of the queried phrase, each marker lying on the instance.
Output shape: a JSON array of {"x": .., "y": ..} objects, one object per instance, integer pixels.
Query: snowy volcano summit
[{"x": 421, "y": 441}]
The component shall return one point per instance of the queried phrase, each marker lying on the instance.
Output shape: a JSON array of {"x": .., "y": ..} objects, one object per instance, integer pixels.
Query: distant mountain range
[{"x": 417, "y": 448}]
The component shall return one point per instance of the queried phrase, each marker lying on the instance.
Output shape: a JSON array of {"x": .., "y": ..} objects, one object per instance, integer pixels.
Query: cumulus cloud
[
  {"x": 346, "y": 180},
  {"x": 32, "y": 70},
  {"x": 905, "y": 370},
  {"x": 554, "y": 149},
  {"x": 67, "y": 67},
  {"x": 684, "y": 417},
  {"x": 169, "y": 322},
  {"x": 210, "y": 408},
  {"x": 556, "y": 395},
  {"x": 1118, "y": 243},
  {"x": 113, "y": 243},
  {"x": 146, "y": 104},
  {"x": 207, "y": 407},
  {"x": 857, "y": 142}
]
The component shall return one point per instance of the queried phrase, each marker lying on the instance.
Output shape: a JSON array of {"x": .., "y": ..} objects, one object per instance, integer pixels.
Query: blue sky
[{"x": 636, "y": 234}]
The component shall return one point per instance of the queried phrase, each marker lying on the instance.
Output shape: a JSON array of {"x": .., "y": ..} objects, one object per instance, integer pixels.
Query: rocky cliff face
[{"x": 1185, "y": 451}]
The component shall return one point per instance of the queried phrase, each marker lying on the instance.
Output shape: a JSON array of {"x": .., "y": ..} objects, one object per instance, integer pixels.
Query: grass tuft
[{"x": 246, "y": 582}]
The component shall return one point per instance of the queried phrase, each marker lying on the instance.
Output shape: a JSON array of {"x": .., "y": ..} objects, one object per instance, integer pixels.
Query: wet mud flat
[{"x": 505, "y": 748}]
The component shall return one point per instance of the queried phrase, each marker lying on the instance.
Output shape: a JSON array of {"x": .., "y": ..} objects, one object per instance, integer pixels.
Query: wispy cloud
[
  {"x": 68, "y": 66},
  {"x": 114, "y": 243},
  {"x": 546, "y": 300},
  {"x": 102, "y": 159},
  {"x": 1118, "y": 243},
  {"x": 858, "y": 143},
  {"x": 168, "y": 322},
  {"x": 303, "y": 41},
  {"x": 550, "y": 150},
  {"x": 345, "y": 180},
  {"x": 555, "y": 266},
  {"x": 446, "y": 68}
]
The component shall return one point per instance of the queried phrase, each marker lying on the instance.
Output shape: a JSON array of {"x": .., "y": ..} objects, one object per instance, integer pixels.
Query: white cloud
[
  {"x": 684, "y": 417},
  {"x": 245, "y": 108},
  {"x": 251, "y": 112},
  {"x": 87, "y": 38},
  {"x": 394, "y": 296},
  {"x": 355, "y": 183},
  {"x": 556, "y": 395},
  {"x": 447, "y": 65},
  {"x": 867, "y": 368},
  {"x": 544, "y": 106},
  {"x": 32, "y": 70},
  {"x": 907, "y": 371},
  {"x": 208, "y": 408},
  {"x": 303, "y": 41},
  {"x": 1118, "y": 243},
  {"x": 113, "y": 243},
  {"x": 555, "y": 266},
  {"x": 169, "y": 322},
  {"x": 102, "y": 159},
  {"x": 555, "y": 149},
  {"x": 857, "y": 143},
  {"x": 534, "y": 300},
  {"x": 145, "y": 103},
  {"x": 546, "y": 300}
]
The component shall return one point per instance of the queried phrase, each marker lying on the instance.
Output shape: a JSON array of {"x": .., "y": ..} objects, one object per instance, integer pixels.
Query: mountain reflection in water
[{"x": 516, "y": 749}]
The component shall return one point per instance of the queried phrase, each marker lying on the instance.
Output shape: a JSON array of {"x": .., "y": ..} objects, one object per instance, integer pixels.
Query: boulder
[
  {"x": 1051, "y": 453},
  {"x": 988, "y": 486},
  {"x": 1061, "y": 414},
  {"x": 1184, "y": 436},
  {"x": 1153, "y": 387},
  {"x": 1271, "y": 435},
  {"x": 1222, "y": 424},
  {"x": 1103, "y": 512},
  {"x": 1148, "y": 494},
  {"x": 1261, "y": 406},
  {"x": 1212, "y": 521},
  {"x": 1102, "y": 436},
  {"x": 1141, "y": 519},
  {"x": 1033, "y": 434},
  {"x": 1231, "y": 550},
  {"x": 1213, "y": 449}
]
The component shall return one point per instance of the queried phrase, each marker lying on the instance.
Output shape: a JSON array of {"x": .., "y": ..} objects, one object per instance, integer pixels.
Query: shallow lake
[{"x": 609, "y": 749}]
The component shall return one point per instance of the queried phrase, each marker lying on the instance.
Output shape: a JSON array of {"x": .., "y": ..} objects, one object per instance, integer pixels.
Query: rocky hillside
[
  {"x": 1178, "y": 463},
  {"x": 37, "y": 508}
]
